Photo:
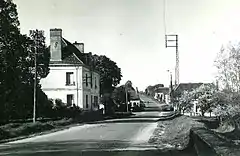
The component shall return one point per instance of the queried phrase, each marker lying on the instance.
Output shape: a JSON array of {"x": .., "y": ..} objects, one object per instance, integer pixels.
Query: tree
[
  {"x": 119, "y": 96},
  {"x": 12, "y": 56},
  {"x": 16, "y": 77},
  {"x": 43, "y": 54},
  {"x": 110, "y": 77},
  {"x": 228, "y": 65},
  {"x": 228, "y": 104},
  {"x": 185, "y": 101},
  {"x": 206, "y": 97},
  {"x": 110, "y": 73}
]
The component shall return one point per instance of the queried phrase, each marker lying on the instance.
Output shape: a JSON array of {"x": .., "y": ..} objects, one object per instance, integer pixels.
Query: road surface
[{"x": 116, "y": 138}]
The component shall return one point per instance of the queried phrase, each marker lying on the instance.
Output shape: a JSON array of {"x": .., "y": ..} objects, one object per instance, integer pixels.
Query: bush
[
  {"x": 4, "y": 134},
  {"x": 63, "y": 122},
  {"x": 30, "y": 128}
]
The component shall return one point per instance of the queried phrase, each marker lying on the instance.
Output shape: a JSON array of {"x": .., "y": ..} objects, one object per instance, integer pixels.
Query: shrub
[
  {"x": 4, "y": 134},
  {"x": 30, "y": 128}
]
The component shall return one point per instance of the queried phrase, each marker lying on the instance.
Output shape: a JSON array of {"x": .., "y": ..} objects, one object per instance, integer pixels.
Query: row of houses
[{"x": 69, "y": 78}]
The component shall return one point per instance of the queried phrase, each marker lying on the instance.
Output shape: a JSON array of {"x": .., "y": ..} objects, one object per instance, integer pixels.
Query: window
[
  {"x": 95, "y": 100},
  {"x": 91, "y": 99},
  {"x": 92, "y": 104},
  {"x": 86, "y": 101},
  {"x": 70, "y": 99},
  {"x": 95, "y": 83},
  {"x": 91, "y": 80},
  {"x": 86, "y": 77},
  {"x": 69, "y": 78}
]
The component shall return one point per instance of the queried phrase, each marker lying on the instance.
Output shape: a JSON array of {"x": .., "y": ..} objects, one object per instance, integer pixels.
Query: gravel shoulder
[{"x": 174, "y": 133}]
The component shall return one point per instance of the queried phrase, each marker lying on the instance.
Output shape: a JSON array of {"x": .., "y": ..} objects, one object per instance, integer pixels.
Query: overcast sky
[{"x": 131, "y": 33}]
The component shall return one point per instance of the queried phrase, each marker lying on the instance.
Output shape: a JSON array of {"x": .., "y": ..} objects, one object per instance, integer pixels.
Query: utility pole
[
  {"x": 126, "y": 97},
  {"x": 35, "y": 86},
  {"x": 35, "y": 36},
  {"x": 175, "y": 40}
]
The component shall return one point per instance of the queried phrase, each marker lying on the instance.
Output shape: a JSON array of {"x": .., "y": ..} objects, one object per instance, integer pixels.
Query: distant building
[
  {"x": 179, "y": 89},
  {"x": 69, "y": 78},
  {"x": 134, "y": 97},
  {"x": 162, "y": 94}
]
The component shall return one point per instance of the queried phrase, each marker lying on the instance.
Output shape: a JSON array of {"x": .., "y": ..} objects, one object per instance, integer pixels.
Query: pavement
[{"x": 122, "y": 137}]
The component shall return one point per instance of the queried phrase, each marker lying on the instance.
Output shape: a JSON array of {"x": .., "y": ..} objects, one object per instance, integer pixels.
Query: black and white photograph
[{"x": 119, "y": 78}]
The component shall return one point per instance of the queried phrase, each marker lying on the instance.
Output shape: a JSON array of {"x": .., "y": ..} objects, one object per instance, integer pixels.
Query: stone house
[{"x": 69, "y": 78}]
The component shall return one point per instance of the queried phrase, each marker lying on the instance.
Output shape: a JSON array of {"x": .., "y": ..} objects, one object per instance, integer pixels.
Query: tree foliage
[
  {"x": 110, "y": 73},
  {"x": 16, "y": 76},
  {"x": 206, "y": 97},
  {"x": 228, "y": 104},
  {"x": 119, "y": 95},
  {"x": 228, "y": 65},
  {"x": 186, "y": 101}
]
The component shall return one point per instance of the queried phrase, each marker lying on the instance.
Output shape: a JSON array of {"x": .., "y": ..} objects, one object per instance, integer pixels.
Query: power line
[{"x": 164, "y": 17}]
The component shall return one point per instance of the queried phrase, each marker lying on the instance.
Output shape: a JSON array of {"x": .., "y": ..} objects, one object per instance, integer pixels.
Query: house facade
[
  {"x": 162, "y": 94},
  {"x": 69, "y": 79}
]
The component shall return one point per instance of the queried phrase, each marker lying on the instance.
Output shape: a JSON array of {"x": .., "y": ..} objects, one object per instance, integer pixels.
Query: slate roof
[
  {"x": 70, "y": 55},
  {"x": 187, "y": 87},
  {"x": 162, "y": 90}
]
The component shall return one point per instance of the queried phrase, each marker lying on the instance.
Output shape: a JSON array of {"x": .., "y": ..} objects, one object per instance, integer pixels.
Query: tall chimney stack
[
  {"x": 79, "y": 46},
  {"x": 56, "y": 44}
]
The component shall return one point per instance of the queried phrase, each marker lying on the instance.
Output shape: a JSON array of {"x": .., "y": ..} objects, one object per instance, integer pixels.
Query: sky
[{"x": 132, "y": 33}]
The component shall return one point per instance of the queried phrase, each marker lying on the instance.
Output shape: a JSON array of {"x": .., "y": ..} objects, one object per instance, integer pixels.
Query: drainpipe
[{"x": 77, "y": 84}]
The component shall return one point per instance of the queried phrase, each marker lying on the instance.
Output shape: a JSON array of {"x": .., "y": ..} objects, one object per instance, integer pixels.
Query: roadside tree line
[{"x": 222, "y": 98}]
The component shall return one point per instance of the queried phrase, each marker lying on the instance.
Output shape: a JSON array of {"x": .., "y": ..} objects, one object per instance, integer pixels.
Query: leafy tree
[
  {"x": 228, "y": 65},
  {"x": 185, "y": 101},
  {"x": 206, "y": 97},
  {"x": 119, "y": 95},
  {"x": 110, "y": 77},
  {"x": 42, "y": 51},
  {"x": 228, "y": 104},
  {"x": 110, "y": 73},
  {"x": 16, "y": 77}
]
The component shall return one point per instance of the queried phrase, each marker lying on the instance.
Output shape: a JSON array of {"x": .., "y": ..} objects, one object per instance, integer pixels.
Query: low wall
[{"x": 206, "y": 142}]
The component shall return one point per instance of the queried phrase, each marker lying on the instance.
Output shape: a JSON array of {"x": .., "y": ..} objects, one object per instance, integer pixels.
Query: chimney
[
  {"x": 56, "y": 44},
  {"x": 79, "y": 46}
]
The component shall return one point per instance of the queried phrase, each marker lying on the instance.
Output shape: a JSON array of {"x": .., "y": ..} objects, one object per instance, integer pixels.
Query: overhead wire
[{"x": 164, "y": 17}]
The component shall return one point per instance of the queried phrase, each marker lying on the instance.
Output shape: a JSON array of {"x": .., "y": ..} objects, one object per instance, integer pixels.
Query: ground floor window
[
  {"x": 95, "y": 100},
  {"x": 86, "y": 101},
  {"x": 70, "y": 99}
]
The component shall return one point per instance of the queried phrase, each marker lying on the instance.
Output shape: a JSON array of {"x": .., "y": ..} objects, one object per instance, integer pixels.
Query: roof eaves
[{"x": 78, "y": 58}]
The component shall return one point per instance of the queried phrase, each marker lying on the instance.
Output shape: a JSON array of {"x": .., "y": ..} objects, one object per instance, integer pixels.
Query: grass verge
[
  {"x": 175, "y": 132},
  {"x": 14, "y": 130}
]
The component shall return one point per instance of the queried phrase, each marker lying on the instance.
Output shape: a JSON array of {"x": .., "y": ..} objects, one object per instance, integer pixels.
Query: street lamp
[{"x": 170, "y": 86}]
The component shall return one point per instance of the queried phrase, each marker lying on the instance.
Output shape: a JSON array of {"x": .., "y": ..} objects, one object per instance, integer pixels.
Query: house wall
[
  {"x": 54, "y": 85},
  {"x": 89, "y": 90},
  {"x": 137, "y": 102}
]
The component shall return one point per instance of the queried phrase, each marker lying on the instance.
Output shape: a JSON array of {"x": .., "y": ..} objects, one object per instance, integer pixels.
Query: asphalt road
[{"x": 116, "y": 138}]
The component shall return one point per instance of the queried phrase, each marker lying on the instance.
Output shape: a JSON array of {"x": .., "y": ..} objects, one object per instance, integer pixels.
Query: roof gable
[{"x": 72, "y": 59}]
